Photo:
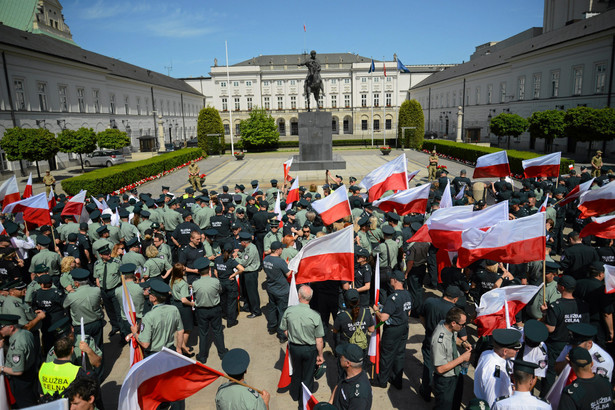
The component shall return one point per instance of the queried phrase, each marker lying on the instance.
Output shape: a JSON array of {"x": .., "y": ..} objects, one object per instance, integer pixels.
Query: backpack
[{"x": 359, "y": 337}]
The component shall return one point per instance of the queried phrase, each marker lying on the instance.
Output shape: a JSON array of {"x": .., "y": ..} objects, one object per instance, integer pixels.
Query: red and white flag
[
  {"x": 9, "y": 191},
  {"x": 492, "y": 165},
  {"x": 544, "y": 166},
  {"x": 287, "y": 367},
  {"x": 609, "y": 278},
  {"x": 412, "y": 175},
  {"x": 390, "y": 176},
  {"x": 576, "y": 192},
  {"x": 75, "y": 205},
  {"x": 330, "y": 257},
  {"x": 100, "y": 205},
  {"x": 256, "y": 189},
  {"x": 51, "y": 199},
  {"x": 491, "y": 313},
  {"x": 163, "y": 377},
  {"x": 373, "y": 350},
  {"x": 136, "y": 354},
  {"x": 2, "y": 232},
  {"x": 412, "y": 200},
  {"x": 333, "y": 207},
  {"x": 293, "y": 194},
  {"x": 277, "y": 209},
  {"x": 516, "y": 241},
  {"x": 602, "y": 227},
  {"x": 287, "y": 165},
  {"x": 35, "y": 209},
  {"x": 460, "y": 193},
  {"x": 543, "y": 207},
  {"x": 6, "y": 396},
  {"x": 597, "y": 201},
  {"x": 447, "y": 200},
  {"x": 309, "y": 401},
  {"x": 27, "y": 192}
]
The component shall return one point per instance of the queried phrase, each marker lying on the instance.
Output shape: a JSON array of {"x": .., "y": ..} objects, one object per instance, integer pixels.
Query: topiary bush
[
  {"x": 258, "y": 131},
  {"x": 210, "y": 131},
  {"x": 411, "y": 115}
]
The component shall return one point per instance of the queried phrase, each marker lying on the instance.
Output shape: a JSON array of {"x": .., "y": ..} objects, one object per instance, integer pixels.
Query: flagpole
[
  {"x": 507, "y": 313},
  {"x": 230, "y": 111},
  {"x": 371, "y": 92},
  {"x": 384, "y": 105}
]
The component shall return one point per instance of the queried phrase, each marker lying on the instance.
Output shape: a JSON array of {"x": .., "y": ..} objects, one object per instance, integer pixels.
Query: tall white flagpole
[
  {"x": 371, "y": 92},
  {"x": 384, "y": 100},
  {"x": 230, "y": 107}
]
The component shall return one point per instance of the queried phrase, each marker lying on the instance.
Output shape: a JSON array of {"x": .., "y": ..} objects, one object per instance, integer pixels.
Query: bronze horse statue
[{"x": 313, "y": 82}]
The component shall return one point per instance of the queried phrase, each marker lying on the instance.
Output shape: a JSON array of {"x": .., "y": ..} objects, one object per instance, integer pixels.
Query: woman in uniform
[{"x": 180, "y": 298}]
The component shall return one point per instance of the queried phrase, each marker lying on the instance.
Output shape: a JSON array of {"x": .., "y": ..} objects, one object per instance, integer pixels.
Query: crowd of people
[{"x": 198, "y": 258}]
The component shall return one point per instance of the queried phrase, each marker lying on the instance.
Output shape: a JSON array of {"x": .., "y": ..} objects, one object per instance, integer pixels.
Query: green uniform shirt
[
  {"x": 113, "y": 278},
  {"x": 159, "y": 326},
  {"x": 76, "y": 357},
  {"x": 33, "y": 287},
  {"x": 66, "y": 279},
  {"x": 114, "y": 234},
  {"x": 84, "y": 302},
  {"x": 51, "y": 259},
  {"x": 180, "y": 289},
  {"x": 66, "y": 229},
  {"x": 206, "y": 291},
  {"x": 93, "y": 235},
  {"x": 128, "y": 231},
  {"x": 22, "y": 352},
  {"x": 136, "y": 293},
  {"x": 270, "y": 195},
  {"x": 165, "y": 250},
  {"x": 133, "y": 257},
  {"x": 155, "y": 267},
  {"x": 99, "y": 243},
  {"x": 553, "y": 294},
  {"x": 144, "y": 226},
  {"x": 303, "y": 324},
  {"x": 300, "y": 217},
  {"x": 387, "y": 253},
  {"x": 444, "y": 348},
  {"x": 15, "y": 306},
  {"x": 232, "y": 396},
  {"x": 288, "y": 254},
  {"x": 249, "y": 258},
  {"x": 270, "y": 238},
  {"x": 171, "y": 219},
  {"x": 364, "y": 241},
  {"x": 211, "y": 251},
  {"x": 203, "y": 215}
]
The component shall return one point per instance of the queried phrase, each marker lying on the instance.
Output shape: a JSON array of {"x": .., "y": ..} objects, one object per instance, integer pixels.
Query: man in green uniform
[
  {"x": 136, "y": 293},
  {"x": 115, "y": 235},
  {"x": 395, "y": 314},
  {"x": 21, "y": 361},
  {"x": 552, "y": 294},
  {"x": 38, "y": 271},
  {"x": 13, "y": 304},
  {"x": 596, "y": 164},
  {"x": 102, "y": 241},
  {"x": 203, "y": 215},
  {"x": 272, "y": 236},
  {"x": 230, "y": 395},
  {"x": 194, "y": 175},
  {"x": 207, "y": 291},
  {"x": 48, "y": 258},
  {"x": 433, "y": 165},
  {"x": 107, "y": 274},
  {"x": 304, "y": 330},
  {"x": 127, "y": 230},
  {"x": 133, "y": 254},
  {"x": 250, "y": 260},
  {"x": 387, "y": 253},
  {"x": 362, "y": 238},
  {"x": 93, "y": 227},
  {"x": 353, "y": 391},
  {"x": 271, "y": 193},
  {"x": 84, "y": 303},
  {"x": 49, "y": 182},
  {"x": 145, "y": 223},
  {"x": 69, "y": 226},
  {"x": 164, "y": 250},
  {"x": 588, "y": 390}
]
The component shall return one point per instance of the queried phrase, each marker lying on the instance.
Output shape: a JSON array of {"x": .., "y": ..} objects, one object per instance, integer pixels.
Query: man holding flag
[{"x": 231, "y": 395}]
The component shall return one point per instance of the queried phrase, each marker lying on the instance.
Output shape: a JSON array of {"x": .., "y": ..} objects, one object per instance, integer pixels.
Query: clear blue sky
[{"x": 191, "y": 33}]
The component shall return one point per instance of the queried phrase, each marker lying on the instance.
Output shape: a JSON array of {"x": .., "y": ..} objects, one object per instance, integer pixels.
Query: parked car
[{"x": 104, "y": 158}]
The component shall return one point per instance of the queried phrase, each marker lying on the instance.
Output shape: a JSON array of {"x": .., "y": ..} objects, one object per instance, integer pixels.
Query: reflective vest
[{"x": 56, "y": 377}]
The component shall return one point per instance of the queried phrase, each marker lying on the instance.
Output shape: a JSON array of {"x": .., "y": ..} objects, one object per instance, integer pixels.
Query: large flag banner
[
  {"x": 516, "y": 241},
  {"x": 390, "y": 176},
  {"x": 35, "y": 209},
  {"x": 293, "y": 194},
  {"x": 545, "y": 166},
  {"x": 545, "y": 204},
  {"x": 166, "y": 376},
  {"x": 576, "y": 192},
  {"x": 100, "y": 205},
  {"x": 602, "y": 227},
  {"x": 408, "y": 201},
  {"x": 27, "y": 192},
  {"x": 597, "y": 201},
  {"x": 51, "y": 199},
  {"x": 447, "y": 200},
  {"x": 75, "y": 207},
  {"x": 330, "y": 257},
  {"x": 9, "y": 191},
  {"x": 491, "y": 312},
  {"x": 309, "y": 401},
  {"x": 492, "y": 165},
  {"x": 609, "y": 278},
  {"x": 136, "y": 354},
  {"x": 333, "y": 207}
]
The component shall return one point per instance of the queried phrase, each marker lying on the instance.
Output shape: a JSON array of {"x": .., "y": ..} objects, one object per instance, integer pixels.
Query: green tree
[
  {"x": 508, "y": 125},
  {"x": 38, "y": 144},
  {"x": 590, "y": 124},
  {"x": 82, "y": 141},
  {"x": 210, "y": 131},
  {"x": 411, "y": 115},
  {"x": 259, "y": 131},
  {"x": 10, "y": 145},
  {"x": 546, "y": 125},
  {"x": 112, "y": 138}
]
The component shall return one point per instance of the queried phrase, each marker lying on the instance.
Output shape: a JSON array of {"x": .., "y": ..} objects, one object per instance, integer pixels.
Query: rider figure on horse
[{"x": 313, "y": 81}]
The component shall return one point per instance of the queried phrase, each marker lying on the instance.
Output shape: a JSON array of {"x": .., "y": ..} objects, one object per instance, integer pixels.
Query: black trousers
[
  {"x": 95, "y": 331},
  {"x": 415, "y": 287},
  {"x": 254, "y": 301},
  {"x": 275, "y": 309},
  {"x": 112, "y": 306},
  {"x": 228, "y": 300},
  {"x": 448, "y": 392},
  {"x": 303, "y": 359},
  {"x": 428, "y": 368},
  {"x": 210, "y": 317},
  {"x": 24, "y": 388},
  {"x": 553, "y": 351},
  {"x": 392, "y": 351}
]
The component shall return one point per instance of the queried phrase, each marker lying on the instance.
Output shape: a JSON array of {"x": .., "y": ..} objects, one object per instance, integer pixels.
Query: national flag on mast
[
  {"x": 544, "y": 166},
  {"x": 401, "y": 67},
  {"x": 100, "y": 205},
  {"x": 304, "y": 28},
  {"x": 597, "y": 201},
  {"x": 576, "y": 192},
  {"x": 372, "y": 67},
  {"x": 609, "y": 278},
  {"x": 9, "y": 191},
  {"x": 555, "y": 393},
  {"x": 330, "y": 257},
  {"x": 391, "y": 176},
  {"x": 163, "y": 377},
  {"x": 293, "y": 194},
  {"x": 136, "y": 354},
  {"x": 516, "y": 241},
  {"x": 492, "y": 165},
  {"x": 447, "y": 200},
  {"x": 602, "y": 227},
  {"x": 384, "y": 68},
  {"x": 333, "y": 207},
  {"x": 309, "y": 401},
  {"x": 287, "y": 164},
  {"x": 408, "y": 201},
  {"x": 277, "y": 209},
  {"x": 491, "y": 314},
  {"x": 35, "y": 209},
  {"x": 27, "y": 192}
]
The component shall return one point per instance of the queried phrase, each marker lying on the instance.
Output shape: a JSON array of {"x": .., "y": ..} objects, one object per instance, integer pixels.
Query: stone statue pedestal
[{"x": 316, "y": 144}]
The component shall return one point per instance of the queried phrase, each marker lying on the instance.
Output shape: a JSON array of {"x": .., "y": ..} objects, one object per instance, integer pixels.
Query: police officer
[
  {"x": 55, "y": 376},
  {"x": 592, "y": 291},
  {"x": 107, "y": 275},
  {"x": 276, "y": 271},
  {"x": 21, "y": 362},
  {"x": 250, "y": 260},
  {"x": 231, "y": 395},
  {"x": 394, "y": 313},
  {"x": 363, "y": 276},
  {"x": 136, "y": 293},
  {"x": 524, "y": 377},
  {"x": 85, "y": 302},
  {"x": 115, "y": 234},
  {"x": 226, "y": 269},
  {"x": 49, "y": 300},
  {"x": 222, "y": 224},
  {"x": 203, "y": 215},
  {"x": 191, "y": 253},
  {"x": 552, "y": 294},
  {"x": 353, "y": 391},
  {"x": 578, "y": 257},
  {"x": 102, "y": 241},
  {"x": 362, "y": 238},
  {"x": 181, "y": 234},
  {"x": 589, "y": 390},
  {"x": 447, "y": 378},
  {"x": 13, "y": 304},
  {"x": 271, "y": 193},
  {"x": 207, "y": 291}
]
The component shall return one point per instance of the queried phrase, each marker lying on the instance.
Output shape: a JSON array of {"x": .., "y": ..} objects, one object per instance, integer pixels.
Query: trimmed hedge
[
  {"x": 106, "y": 180},
  {"x": 336, "y": 143},
  {"x": 468, "y": 152}
]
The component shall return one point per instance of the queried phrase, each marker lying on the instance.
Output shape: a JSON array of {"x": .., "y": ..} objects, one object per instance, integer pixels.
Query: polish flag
[
  {"x": 35, "y": 209},
  {"x": 492, "y": 165},
  {"x": 544, "y": 166},
  {"x": 543, "y": 207},
  {"x": 445, "y": 226},
  {"x": 412, "y": 200},
  {"x": 309, "y": 401},
  {"x": 459, "y": 194},
  {"x": 597, "y": 201},
  {"x": 277, "y": 208},
  {"x": 6, "y": 396},
  {"x": 412, "y": 175},
  {"x": 293, "y": 194},
  {"x": 602, "y": 227},
  {"x": 384, "y": 68},
  {"x": 374, "y": 342},
  {"x": 136, "y": 354},
  {"x": 27, "y": 192},
  {"x": 330, "y": 257},
  {"x": 75, "y": 204},
  {"x": 287, "y": 165},
  {"x": 516, "y": 241},
  {"x": 555, "y": 394},
  {"x": 256, "y": 190},
  {"x": 100, "y": 205},
  {"x": 287, "y": 367},
  {"x": 576, "y": 192},
  {"x": 333, "y": 207},
  {"x": 9, "y": 191},
  {"x": 609, "y": 278},
  {"x": 163, "y": 377},
  {"x": 447, "y": 200},
  {"x": 492, "y": 314},
  {"x": 52, "y": 199},
  {"x": 390, "y": 176}
]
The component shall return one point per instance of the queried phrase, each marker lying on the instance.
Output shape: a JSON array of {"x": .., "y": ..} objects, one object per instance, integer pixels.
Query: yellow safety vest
[{"x": 56, "y": 377}]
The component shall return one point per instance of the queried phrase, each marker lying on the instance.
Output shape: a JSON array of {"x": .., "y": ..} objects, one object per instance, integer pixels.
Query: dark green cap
[
  {"x": 40, "y": 268},
  {"x": 235, "y": 362},
  {"x": 80, "y": 274},
  {"x": 535, "y": 331},
  {"x": 351, "y": 352},
  {"x": 201, "y": 263},
  {"x": 581, "y": 332},
  {"x": 526, "y": 367},
  {"x": 507, "y": 338},
  {"x": 128, "y": 268},
  {"x": 60, "y": 328},
  {"x": 6, "y": 320},
  {"x": 159, "y": 287},
  {"x": 579, "y": 356}
]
